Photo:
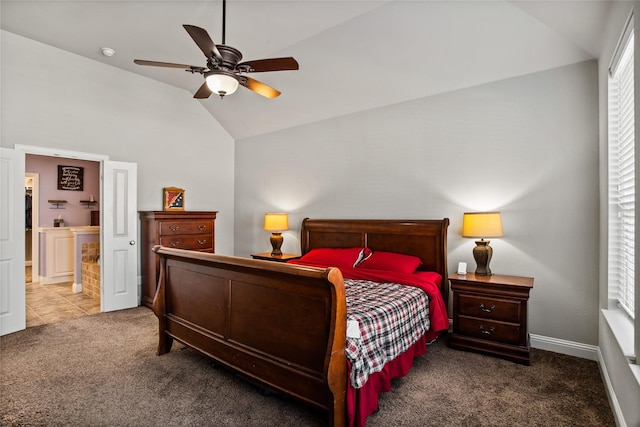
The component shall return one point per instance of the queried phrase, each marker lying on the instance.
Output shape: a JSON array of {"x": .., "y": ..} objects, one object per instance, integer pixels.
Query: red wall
[{"x": 73, "y": 212}]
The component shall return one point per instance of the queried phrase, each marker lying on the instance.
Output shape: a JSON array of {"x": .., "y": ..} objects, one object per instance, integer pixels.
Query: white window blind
[{"x": 622, "y": 177}]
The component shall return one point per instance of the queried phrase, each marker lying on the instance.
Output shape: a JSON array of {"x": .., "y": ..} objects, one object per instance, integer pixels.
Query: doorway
[
  {"x": 49, "y": 301},
  {"x": 118, "y": 232}
]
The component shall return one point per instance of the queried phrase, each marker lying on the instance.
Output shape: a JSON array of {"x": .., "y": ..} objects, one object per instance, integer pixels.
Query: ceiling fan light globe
[{"x": 221, "y": 84}]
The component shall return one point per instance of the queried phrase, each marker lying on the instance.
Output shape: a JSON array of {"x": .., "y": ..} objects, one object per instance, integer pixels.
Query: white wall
[
  {"x": 52, "y": 98},
  {"x": 623, "y": 386},
  {"x": 527, "y": 146}
]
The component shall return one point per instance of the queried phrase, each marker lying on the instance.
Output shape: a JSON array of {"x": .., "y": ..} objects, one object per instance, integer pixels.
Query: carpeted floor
[{"x": 102, "y": 370}]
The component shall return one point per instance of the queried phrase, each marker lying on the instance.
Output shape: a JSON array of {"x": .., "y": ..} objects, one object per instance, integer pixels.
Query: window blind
[{"x": 622, "y": 179}]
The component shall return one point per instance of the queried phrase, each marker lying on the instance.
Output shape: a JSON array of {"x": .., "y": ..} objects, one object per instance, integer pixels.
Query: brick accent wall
[{"x": 91, "y": 269}]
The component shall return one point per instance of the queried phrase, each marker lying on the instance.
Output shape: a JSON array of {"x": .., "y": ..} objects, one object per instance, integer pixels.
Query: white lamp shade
[
  {"x": 276, "y": 221},
  {"x": 482, "y": 224},
  {"x": 222, "y": 84}
]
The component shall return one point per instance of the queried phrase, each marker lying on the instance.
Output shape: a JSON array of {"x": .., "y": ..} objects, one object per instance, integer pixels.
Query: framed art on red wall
[{"x": 70, "y": 178}]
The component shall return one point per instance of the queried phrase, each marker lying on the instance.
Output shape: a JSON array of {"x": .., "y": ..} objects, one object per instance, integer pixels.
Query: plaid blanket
[{"x": 390, "y": 318}]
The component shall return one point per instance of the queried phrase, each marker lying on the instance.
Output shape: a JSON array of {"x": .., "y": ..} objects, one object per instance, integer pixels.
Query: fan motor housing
[{"x": 230, "y": 56}]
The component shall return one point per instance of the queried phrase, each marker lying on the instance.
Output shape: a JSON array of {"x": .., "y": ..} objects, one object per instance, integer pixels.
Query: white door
[
  {"x": 119, "y": 226},
  {"x": 12, "y": 227}
]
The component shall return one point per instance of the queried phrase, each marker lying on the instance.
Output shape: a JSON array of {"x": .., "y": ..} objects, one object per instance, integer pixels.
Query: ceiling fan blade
[
  {"x": 164, "y": 64},
  {"x": 204, "y": 92},
  {"x": 259, "y": 87},
  {"x": 204, "y": 41},
  {"x": 272, "y": 64}
]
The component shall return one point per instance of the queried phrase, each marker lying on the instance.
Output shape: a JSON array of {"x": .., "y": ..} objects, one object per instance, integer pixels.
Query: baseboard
[
  {"x": 611, "y": 394},
  {"x": 557, "y": 345},
  {"x": 57, "y": 279},
  {"x": 570, "y": 348}
]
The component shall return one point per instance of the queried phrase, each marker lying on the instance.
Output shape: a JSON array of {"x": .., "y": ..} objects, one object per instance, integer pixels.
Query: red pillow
[
  {"x": 391, "y": 261},
  {"x": 333, "y": 257}
]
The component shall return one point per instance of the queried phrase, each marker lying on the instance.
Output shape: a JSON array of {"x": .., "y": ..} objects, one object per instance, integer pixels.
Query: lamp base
[
  {"x": 276, "y": 243},
  {"x": 482, "y": 254}
]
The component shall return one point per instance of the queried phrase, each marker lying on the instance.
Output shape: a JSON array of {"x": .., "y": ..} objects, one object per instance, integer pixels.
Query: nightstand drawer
[
  {"x": 198, "y": 243},
  {"x": 172, "y": 228},
  {"x": 489, "y": 330},
  {"x": 489, "y": 308}
]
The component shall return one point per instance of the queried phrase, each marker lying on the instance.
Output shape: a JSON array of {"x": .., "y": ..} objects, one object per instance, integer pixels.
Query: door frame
[
  {"x": 51, "y": 152},
  {"x": 35, "y": 229},
  {"x": 54, "y": 152}
]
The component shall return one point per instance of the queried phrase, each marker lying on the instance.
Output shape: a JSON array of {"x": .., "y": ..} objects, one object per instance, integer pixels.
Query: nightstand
[
  {"x": 490, "y": 315},
  {"x": 266, "y": 256}
]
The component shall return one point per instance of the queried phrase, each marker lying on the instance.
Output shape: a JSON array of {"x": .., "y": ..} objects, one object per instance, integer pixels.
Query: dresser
[
  {"x": 174, "y": 229},
  {"x": 490, "y": 315}
]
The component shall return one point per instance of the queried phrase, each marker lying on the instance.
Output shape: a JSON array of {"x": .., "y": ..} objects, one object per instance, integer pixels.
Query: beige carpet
[{"x": 102, "y": 370}]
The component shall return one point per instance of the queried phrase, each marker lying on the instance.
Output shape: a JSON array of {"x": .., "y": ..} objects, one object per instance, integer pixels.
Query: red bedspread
[
  {"x": 363, "y": 401},
  {"x": 383, "y": 321},
  {"x": 426, "y": 280}
]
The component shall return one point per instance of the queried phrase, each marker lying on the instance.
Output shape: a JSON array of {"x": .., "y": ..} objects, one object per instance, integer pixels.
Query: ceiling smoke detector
[{"x": 107, "y": 51}]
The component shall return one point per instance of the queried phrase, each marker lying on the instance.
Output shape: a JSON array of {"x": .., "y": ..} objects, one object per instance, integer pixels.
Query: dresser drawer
[
  {"x": 489, "y": 308},
  {"x": 489, "y": 330},
  {"x": 202, "y": 242},
  {"x": 171, "y": 228}
]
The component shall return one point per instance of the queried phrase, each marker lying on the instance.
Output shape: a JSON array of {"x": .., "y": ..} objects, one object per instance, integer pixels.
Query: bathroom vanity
[{"x": 59, "y": 251}]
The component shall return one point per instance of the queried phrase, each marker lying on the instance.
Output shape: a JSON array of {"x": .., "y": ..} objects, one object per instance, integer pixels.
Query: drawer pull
[
  {"x": 202, "y": 242},
  {"x": 487, "y": 331},
  {"x": 487, "y": 310},
  {"x": 174, "y": 227},
  {"x": 173, "y": 244},
  {"x": 202, "y": 227}
]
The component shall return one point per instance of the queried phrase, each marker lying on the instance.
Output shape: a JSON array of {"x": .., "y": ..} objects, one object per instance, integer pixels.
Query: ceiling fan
[{"x": 224, "y": 72}]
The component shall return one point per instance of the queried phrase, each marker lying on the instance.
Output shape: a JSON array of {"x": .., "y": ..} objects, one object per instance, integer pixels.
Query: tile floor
[{"x": 55, "y": 302}]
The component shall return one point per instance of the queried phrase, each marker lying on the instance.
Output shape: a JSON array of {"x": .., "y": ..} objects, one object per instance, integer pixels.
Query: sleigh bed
[{"x": 294, "y": 328}]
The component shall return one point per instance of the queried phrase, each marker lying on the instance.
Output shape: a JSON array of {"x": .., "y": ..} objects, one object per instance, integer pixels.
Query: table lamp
[
  {"x": 482, "y": 225},
  {"x": 276, "y": 223}
]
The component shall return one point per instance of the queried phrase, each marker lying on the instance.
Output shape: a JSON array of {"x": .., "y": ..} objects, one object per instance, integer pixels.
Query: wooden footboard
[{"x": 280, "y": 325}]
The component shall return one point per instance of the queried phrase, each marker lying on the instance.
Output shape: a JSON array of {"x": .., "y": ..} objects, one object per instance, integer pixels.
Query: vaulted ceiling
[{"x": 353, "y": 55}]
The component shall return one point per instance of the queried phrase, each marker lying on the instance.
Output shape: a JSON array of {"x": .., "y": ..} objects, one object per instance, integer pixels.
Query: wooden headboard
[{"x": 426, "y": 239}]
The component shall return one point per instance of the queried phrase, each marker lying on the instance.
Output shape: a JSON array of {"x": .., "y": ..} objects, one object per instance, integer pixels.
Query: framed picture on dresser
[{"x": 172, "y": 199}]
